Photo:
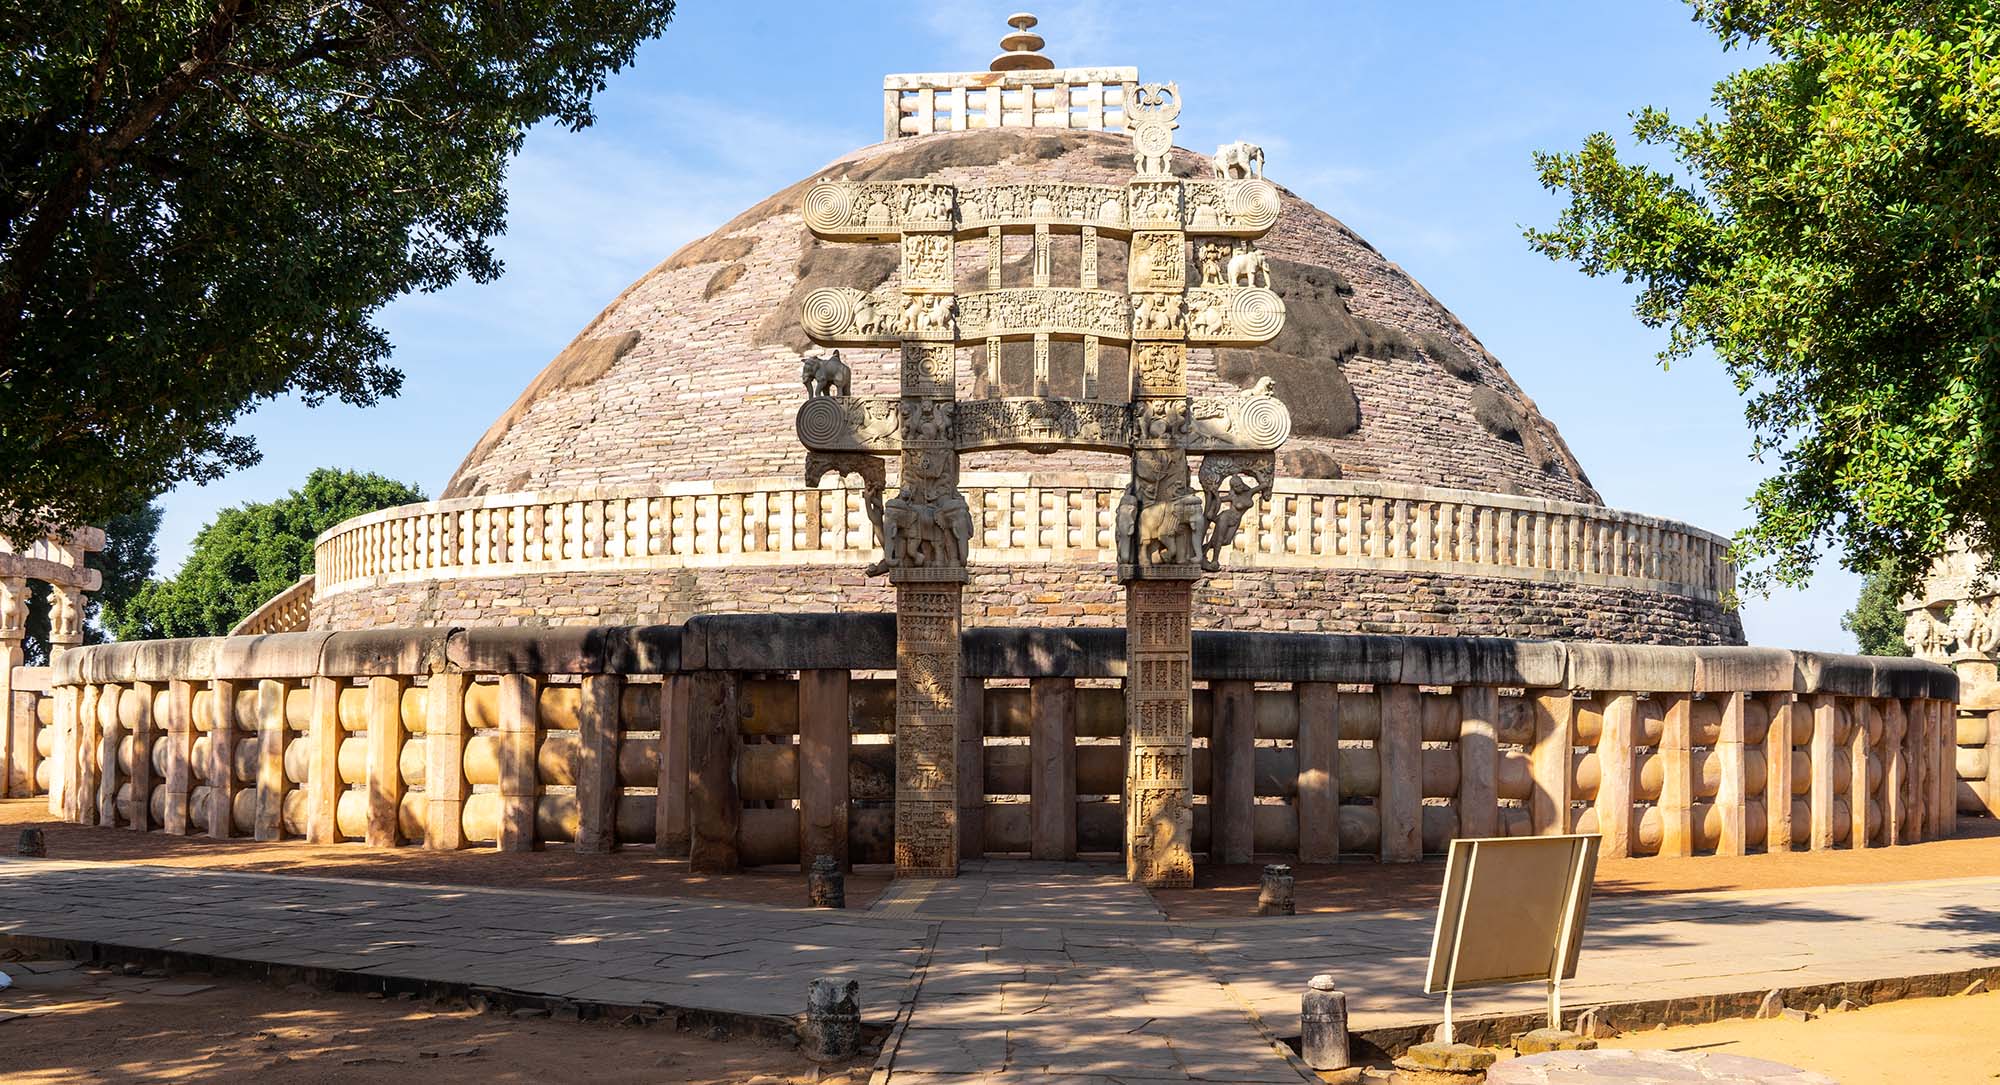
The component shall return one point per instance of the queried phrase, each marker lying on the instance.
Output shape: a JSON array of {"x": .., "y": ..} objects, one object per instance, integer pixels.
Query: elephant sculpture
[
  {"x": 1238, "y": 161},
  {"x": 1246, "y": 266},
  {"x": 826, "y": 375},
  {"x": 1170, "y": 531}
]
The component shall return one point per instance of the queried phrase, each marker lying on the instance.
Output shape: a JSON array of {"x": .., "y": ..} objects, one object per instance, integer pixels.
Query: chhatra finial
[{"x": 1022, "y": 47}]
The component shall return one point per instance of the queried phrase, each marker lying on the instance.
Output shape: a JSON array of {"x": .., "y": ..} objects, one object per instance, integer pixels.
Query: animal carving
[
  {"x": 826, "y": 375},
  {"x": 1170, "y": 531},
  {"x": 1238, "y": 161},
  {"x": 1246, "y": 266}
]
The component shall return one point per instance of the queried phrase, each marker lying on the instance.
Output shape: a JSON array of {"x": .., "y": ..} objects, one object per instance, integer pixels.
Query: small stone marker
[
  {"x": 1274, "y": 895},
  {"x": 825, "y": 884},
  {"x": 33, "y": 844},
  {"x": 1323, "y": 1025},
  {"x": 1551, "y": 1039},
  {"x": 1772, "y": 1005},
  {"x": 1443, "y": 1064},
  {"x": 833, "y": 1020}
]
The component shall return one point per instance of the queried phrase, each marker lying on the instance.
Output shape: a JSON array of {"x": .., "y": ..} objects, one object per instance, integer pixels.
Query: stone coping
[
  {"x": 1021, "y": 518},
  {"x": 789, "y": 642}
]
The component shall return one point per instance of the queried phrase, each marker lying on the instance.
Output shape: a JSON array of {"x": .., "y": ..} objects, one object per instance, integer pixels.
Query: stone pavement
[{"x": 1013, "y": 972}]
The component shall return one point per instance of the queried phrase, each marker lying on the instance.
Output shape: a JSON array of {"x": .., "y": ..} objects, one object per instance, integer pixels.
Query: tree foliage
[
  {"x": 1877, "y": 618},
  {"x": 1835, "y": 240},
  {"x": 124, "y": 565},
  {"x": 202, "y": 205},
  {"x": 248, "y": 554}
]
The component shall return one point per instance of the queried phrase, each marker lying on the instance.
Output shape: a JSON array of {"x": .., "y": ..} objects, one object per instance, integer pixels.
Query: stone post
[
  {"x": 271, "y": 782},
  {"x": 83, "y": 751},
  {"x": 1159, "y": 734},
  {"x": 1785, "y": 708},
  {"x": 927, "y": 677},
  {"x": 1863, "y": 715},
  {"x": 445, "y": 786},
  {"x": 670, "y": 809},
  {"x": 13, "y": 627},
  {"x": 1677, "y": 834},
  {"x": 1319, "y": 772},
  {"x": 1275, "y": 891},
  {"x": 1730, "y": 795},
  {"x": 971, "y": 767},
  {"x": 1549, "y": 762},
  {"x": 145, "y": 732},
  {"x": 176, "y": 818},
  {"x": 1614, "y": 774},
  {"x": 520, "y": 775},
  {"x": 62, "y": 751},
  {"x": 715, "y": 738},
  {"x": 386, "y": 735},
  {"x": 1232, "y": 772},
  {"x": 833, "y": 1020},
  {"x": 824, "y": 740},
  {"x": 597, "y": 788},
  {"x": 222, "y": 782},
  {"x": 110, "y": 729},
  {"x": 323, "y": 784},
  {"x": 27, "y": 756},
  {"x": 1399, "y": 748},
  {"x": 1323, "y": 1025},
  {"x": 1895, "y": 775},
  {"x": 1052, "y": 768},
  {"x": 1825, "y": 722}
]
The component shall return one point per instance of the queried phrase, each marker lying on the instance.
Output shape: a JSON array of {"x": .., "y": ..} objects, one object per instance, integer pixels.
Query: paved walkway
[{"x": 1015, "y": 971}]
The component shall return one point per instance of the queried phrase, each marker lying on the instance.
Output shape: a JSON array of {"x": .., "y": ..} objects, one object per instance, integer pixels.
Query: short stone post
[
  {"x": 832, "y": 1028},
  {"x": 33, "y": 844},
  {"x": 1274, "y": 893},
  {"x": 1323, "y": 1025},
  {"x": 826, "y": 886}
]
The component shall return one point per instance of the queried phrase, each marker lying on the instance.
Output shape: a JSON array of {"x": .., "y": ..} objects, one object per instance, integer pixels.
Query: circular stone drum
[{"x": 1652, "y": 1067}]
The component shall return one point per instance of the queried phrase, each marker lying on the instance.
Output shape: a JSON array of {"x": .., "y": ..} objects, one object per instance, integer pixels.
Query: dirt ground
[
  {"x": 1933, "y": 1041},
  {"x": 1365, "y": 885},
  {"x": 634, "y": 871},
  {"x": 61, "y": 1022}
]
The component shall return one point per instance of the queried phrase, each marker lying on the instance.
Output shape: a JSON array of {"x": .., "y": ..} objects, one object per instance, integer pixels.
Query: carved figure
[
  {"x": 867, "y": 319},
  {"x": 1230, "y": 486},
  {"x": 1239, "y": 160},
  {"x": 1211, "y": 264},
  {"x": 933, "y": 315},
  {"x": 1170, "y": 530},
  {"x": 826, "y": 375},
  {"x": 1265, "y": 386},
  {"x": 1126, "y": 528},
  {"x": 926, "y": 421},
  {"x": 1150, "y": 116},
  {"x": 927, "y": 524},
  {"x": 1206, "y": 315},
  {"x": 1246, "y": 264},
  {"x": 1927, "y": 637}
]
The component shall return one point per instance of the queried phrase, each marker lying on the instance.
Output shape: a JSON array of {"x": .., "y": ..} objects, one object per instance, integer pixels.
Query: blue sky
[{"x": 1412, "y": 122}]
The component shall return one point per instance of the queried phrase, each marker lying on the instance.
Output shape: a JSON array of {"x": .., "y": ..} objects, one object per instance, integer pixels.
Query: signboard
[{"x": 1512, "y": 911}]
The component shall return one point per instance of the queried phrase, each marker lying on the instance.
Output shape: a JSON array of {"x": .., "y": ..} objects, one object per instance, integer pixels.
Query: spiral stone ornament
[
  {"x": 1256, "y": 313},
  {"x": 828, "y": 206},
  {"x": 827, "y": 312},
  {"x": 1254, "y": 204},
  {"x": 1264, "y": 422},
  {"x": 822, "y": 422}
]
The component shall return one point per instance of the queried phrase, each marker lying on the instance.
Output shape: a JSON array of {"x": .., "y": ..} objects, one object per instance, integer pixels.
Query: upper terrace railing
[
  {"x": 1076, "y": 98},
  {"x": 761, "y": 739},
  {"x": 1018, "y": 519}
]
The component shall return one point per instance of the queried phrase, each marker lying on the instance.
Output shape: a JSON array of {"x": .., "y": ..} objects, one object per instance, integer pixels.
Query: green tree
[
  {"x": 124, "y": 564},
  {"x": 1877, "y": 620},
  {"x": 1835, "y": 240},
  {"x": 202, "y": 206},
  {"x": 248, "y": 554}
]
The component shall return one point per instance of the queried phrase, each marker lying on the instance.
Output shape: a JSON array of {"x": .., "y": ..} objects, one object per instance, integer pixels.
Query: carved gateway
[{"x": 1167, "y": 532}]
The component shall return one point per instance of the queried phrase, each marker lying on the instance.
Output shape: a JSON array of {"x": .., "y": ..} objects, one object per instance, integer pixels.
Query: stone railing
[
  {"x": 289, "y": 611},
  {"x": 1018, "y": 519},
  {"x": 1075, "y": 98},
  {"x": 766, "y": 739},
  {"x": 26, "y": 737}
]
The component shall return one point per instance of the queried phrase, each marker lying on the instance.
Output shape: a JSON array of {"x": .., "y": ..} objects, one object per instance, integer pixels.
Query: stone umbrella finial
[{"x": 1023, "y": 47}]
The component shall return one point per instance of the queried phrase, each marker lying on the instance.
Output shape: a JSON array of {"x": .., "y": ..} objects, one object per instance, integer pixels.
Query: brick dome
[{"x": 692, "y": 372}]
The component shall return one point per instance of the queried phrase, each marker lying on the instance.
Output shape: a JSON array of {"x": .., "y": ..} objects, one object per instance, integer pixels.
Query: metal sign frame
[{"x": 1479, "y": 866}]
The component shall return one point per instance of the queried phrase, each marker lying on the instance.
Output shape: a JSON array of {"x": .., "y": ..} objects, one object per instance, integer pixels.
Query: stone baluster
[
  {"x": 1677, "y": 829},
  {"x": 1859, "y": 743},
  {"x": 597, "y": 788},
  {"x": 1895, "y": 775},
  {"x": 386, "y": 735},
  {"x": 445, "y": 738},
  {"x": 323, "y": 784},
  {"x": 81, "y": 802},
  {"x": 1785, "y": 708},
  {"x": 272, "y": 784},
  {"x": 109, "y": 730},
  {"x": 520, "y": 775},
  {"x": 1730, "y": 795},
  {"x": 1825, "y": 726},
  {"x": 1615, "y": 760},
  {"x": 1550, "y": 763},
  {"x": 221, "y": 775},
  {"x": 175, "y": 816},
  {"x": 145, "y": 731}
]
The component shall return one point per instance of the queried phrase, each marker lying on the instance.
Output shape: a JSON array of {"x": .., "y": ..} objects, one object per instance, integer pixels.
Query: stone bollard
[
  {"x": 1274, "y": 896},
  {"x": 33, "y": 844},
  {"x": 825, "y": 885},
  {"x": 833, "y": 1020},
  {"x": 1323, "y": 1025}
]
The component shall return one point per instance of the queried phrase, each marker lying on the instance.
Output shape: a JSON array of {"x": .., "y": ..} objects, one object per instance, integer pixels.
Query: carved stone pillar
[
  {"x": 1159, "y": 731},
  {"x": 13, "y": 626},
  {"x": 65, "y": 618},
  {"x": 927, "y": 668}
]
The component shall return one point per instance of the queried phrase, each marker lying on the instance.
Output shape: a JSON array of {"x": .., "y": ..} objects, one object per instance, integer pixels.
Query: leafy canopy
[
  {"x": 248, "y": 554},
  {"x": 1877, "y": 620},
  {"x": 1835, "y": 240},
  {"x": 202, "y": 205}
]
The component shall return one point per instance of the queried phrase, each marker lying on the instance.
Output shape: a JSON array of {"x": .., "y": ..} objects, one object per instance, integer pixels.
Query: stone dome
[{"x": 693, "y": 372}]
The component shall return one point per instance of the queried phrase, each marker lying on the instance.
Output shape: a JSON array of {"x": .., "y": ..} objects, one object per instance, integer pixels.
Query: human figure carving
[
  {"x": 826, "y": 375},
  {"x": 1238, "y": 161},
  {"x": 1211, "y": 264},
  {"x": 1127, "y": 527},
  {"x": 1246, "y": 265}
]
